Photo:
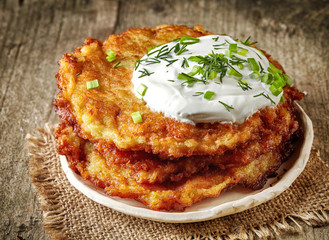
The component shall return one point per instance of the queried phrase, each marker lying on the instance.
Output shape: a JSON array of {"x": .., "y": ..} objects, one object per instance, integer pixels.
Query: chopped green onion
[
  {"x": 196, "y": 69},
  {"x": 240, "y": 65},
  {"x": 110, "y": 56},
  {"x": 137, "y": 117},
  {"x": 279, "y": 82},
  {"x": 244, "y": 81},
  {"x": 78, "y": 74},
  {"x": 272, "y": 69},
  {"x": 233, "y": 47},
  {"x": 212, "y": 75},
  {"x": 151, "y": 48},
  {"x": 275, "y": 90},
  {"x": 287, "y": 79},
  {"x": 260, "y": 52},
  {"x": 197, "y": 59},
  {"x": 141, "y": 90},
  {"x": 253, "y": 66},
  {"x": 267, "y": 78},
  {"x": 92, "y": 84},
  {"x": 209, "y": 95},
  {"x": 255, "y": 75},
  {"x": 188, "y": 40},
  {"x": 282, "y": 99},
  {"x": 228, "y": 53},
  {"x": 233, "y": 72},
  {"x": 243, "y": 52}
]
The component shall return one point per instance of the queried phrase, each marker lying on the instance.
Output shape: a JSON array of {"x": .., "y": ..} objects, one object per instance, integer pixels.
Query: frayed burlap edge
[{"x": 54, "y": 213}]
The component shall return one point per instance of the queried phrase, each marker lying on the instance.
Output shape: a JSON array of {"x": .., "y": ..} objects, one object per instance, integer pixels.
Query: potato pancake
[
  {"x": 117, "y": 180},
  {"x": 104, "y": 114}
]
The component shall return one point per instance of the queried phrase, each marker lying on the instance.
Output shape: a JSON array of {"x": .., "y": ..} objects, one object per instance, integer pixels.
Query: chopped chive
[
  {"x": 188, "y": 40},
  {"x": 92, "y": 84},
  {"x": 226, "y": 106},
  {"x": 266, "y": 96},
  {"x": 253, "y": 66},
  {"x": 137, "y": 62},
  {"x": 219, "y": 45},
  {"x": 244, "y": 85},
  {"x": 185, "y": 63},
  {"x": 236, "y": 60},
  {"x": 282, "y": 99},
  {"x": 117, "y": 65},
  {"x": 243, "y": 52},
  {"x": 247, "y": 42},
  {"x": 78, "y": 74},
  {"x": 209, "y": 95},
  {"x": 171, "y": 62},
  {"x": 261, "y": 67},
  {"x": 137, "y": 117},
  {"x": 141, "y": 90},
  {"x": 215, "y": 39},
  {"x": 197, "y": 94},
  {"x": 145, "y": 73},
  {"x": 233, "y": 47},
  {"x": 150, "y": 61},
  {"x": 110, "y": 56},
  {"x": 181, "y": 50}
]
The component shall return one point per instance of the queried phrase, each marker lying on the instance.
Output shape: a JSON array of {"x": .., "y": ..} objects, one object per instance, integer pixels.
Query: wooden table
[{"x": 35, "y": 34}]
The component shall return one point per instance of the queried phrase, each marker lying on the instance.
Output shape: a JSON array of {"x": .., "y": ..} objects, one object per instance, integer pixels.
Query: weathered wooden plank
[{"x": 34, "y": 35}]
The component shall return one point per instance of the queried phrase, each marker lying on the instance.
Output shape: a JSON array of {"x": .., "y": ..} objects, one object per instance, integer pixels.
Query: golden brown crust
[
  {"x": 117, "y": 180},
  {"x": 103, "y": 114}
]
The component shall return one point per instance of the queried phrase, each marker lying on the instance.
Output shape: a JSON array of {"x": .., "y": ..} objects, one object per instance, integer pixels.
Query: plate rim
[{"x": 221, "y": 210}]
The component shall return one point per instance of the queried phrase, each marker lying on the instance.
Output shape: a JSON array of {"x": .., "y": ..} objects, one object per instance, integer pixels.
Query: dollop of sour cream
[{"x": 233, "y": 95}]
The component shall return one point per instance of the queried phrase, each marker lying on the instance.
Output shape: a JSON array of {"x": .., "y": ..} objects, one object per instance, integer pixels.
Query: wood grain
[{"x": 35, "y": 34}]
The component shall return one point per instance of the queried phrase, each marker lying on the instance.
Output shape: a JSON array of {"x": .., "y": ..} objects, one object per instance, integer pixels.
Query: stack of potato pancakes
[{"x": 164, "y": 163}]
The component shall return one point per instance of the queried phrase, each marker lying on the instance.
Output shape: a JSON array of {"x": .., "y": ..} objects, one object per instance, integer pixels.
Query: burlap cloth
[{"x": 68, "y": 214}]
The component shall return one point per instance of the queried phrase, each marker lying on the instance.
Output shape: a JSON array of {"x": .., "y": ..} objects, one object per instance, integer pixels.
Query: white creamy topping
[{"x": 175, "y": 98}]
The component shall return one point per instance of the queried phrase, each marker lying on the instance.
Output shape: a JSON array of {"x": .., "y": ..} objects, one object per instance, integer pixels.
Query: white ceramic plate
[{"x": 233, "y": 201}]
